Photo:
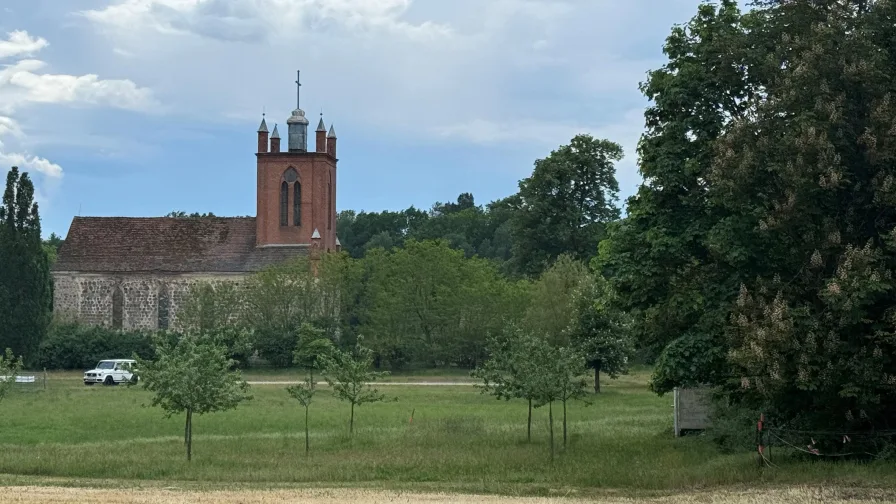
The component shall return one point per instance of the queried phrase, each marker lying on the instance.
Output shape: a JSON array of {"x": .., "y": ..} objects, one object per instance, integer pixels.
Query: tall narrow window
[
  {"x": 164, "y": 307},
  {"x": 284, "y": 204},
  {"x": 297, "y": 203},
  {"x": 330, "y": 201},
  {"x": 117, "y": 307}
]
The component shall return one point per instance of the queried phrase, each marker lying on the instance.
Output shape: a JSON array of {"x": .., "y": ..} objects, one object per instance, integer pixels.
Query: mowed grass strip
[{"x": 459, "y": 438}]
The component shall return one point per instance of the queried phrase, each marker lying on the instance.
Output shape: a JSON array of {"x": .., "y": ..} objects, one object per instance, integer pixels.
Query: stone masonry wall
[{"x": 88, "y": 297}]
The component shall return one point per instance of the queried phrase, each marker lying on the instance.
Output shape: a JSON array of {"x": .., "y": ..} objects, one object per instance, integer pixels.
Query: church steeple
[
  {"x": 298, "y": 123},
  {"x": 296, "y": 196}
]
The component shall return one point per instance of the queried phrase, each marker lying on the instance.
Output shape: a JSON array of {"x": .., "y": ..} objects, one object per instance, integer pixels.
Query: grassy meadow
[{"x": 459, "y": 440}]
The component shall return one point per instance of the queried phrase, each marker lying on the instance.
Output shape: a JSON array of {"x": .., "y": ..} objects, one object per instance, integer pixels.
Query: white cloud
[
  {"x": 23, "y": 83},
  {"x": 260, "y": 20},
  {"x": 20, "y": 43},
  {"x": 31, "y": 163},
  {"x": 486, "y": 72},
  {"x": 20, "y": 83}
]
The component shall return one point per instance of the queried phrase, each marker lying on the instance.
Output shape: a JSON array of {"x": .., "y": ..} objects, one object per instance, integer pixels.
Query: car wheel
[{"x": 108, "y": 381}]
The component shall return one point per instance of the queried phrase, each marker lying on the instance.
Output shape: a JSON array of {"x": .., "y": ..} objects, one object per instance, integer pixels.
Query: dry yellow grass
[{"x": 66, "y": 495}]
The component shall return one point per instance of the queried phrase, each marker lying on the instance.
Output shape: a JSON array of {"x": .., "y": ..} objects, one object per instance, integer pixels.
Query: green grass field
[{"x": 459, "y": 440}]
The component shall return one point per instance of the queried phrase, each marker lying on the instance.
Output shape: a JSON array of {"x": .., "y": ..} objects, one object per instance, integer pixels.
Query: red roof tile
[{"x": 164, "y": 244}]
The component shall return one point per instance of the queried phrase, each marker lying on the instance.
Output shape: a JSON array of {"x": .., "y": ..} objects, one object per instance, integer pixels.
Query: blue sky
[{"x": 140, "y": 107}]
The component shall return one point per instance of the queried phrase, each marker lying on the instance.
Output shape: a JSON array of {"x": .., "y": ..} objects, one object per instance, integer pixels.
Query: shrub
[{"x": 78, "y": 346}]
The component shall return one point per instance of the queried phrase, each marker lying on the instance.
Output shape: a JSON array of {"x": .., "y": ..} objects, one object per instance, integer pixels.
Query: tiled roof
[{"x": 164, "y": 244}]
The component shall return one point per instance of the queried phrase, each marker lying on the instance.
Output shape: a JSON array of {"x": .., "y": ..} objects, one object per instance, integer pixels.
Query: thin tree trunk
[
  {"x": 306, "y": 431},
  {"x": 186, "y": 427},
  {"x": 351, "y": 422},
  {"x": 564, "y": 424},
  {"x": 551, "y": 424},
  {"x": 189, "y": 435},
  {"x": 597, "y": 378},
  {"x": 529, "y": 424}
]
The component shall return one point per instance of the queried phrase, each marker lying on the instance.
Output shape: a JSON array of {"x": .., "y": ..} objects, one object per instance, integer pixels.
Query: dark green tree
[
  {"x": 26, "y": 293},
  {"x": 658, "y": 258},
  {"x": 808, "y": 179},
  {"x": 566, "y": 203},
  {"x": 600, "y": 331}
]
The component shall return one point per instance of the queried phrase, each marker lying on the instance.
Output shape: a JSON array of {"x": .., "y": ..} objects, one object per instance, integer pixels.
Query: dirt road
[{"x": 67, "y": 495}]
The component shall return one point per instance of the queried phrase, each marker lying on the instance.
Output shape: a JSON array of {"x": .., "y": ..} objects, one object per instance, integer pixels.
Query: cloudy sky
[{"x": 140, "y": 107}]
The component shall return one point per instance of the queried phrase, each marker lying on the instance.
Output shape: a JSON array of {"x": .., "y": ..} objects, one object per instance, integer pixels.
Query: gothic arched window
[
  {"x": 284, "y": 204},
  {"x": 330, "y": 201},
  {"x": 297, "y": 204},
  {"x": 117, "y": 307},
  {"x": 164, "y": 307}
]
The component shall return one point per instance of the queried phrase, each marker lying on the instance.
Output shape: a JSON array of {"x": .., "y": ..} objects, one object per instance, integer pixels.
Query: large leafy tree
[
  {"x": 427, "y": 303},
  {"x": 566, "y": 202},
  {"x": 809, "y": 178},
  {"x": 278, "y": 301},
  {"x": 659, "y": 259},
  {"x": 758, "y": 253},
  {"x": 571, "y": 307},
  {"x": 26, "y": 294}
]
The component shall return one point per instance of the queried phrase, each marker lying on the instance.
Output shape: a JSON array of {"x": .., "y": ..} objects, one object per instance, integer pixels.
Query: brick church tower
[{"x": 297, "y": 187}]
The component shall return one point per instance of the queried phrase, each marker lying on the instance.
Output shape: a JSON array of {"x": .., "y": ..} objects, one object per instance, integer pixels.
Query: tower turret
[
  {"x": 263, "y": 136},
  {"x": 320, "y": 144},
  {"x": 298, "y": 123},
  {"x": 275, "y": 140},
  {"x": 331, "y": 141}
]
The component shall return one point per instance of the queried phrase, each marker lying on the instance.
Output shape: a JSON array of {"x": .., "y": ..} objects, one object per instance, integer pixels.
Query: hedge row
[{"x": 75, "y": 346}]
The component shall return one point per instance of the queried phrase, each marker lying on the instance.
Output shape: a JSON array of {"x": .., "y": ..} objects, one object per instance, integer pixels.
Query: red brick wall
[{"x": 314, "y": 172}]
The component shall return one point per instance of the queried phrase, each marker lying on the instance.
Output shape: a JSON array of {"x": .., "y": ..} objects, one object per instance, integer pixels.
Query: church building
[{"x": 135, "y": 272}]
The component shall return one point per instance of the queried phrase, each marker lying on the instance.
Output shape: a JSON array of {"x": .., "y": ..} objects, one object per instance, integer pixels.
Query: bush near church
[{"x": 74, "y": 346}]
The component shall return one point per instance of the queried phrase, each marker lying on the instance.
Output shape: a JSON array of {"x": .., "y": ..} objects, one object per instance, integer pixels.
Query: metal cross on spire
[{"x": 298, "y": 89}]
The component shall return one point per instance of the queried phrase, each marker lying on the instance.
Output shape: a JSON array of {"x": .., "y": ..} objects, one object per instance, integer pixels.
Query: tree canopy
[{"x": 758, "y": 253}]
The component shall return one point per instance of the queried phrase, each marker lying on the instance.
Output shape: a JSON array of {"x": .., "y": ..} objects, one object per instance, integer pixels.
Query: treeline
[
  {"x": 420, "y": 306},
  {"x": 562, "y": 208}
]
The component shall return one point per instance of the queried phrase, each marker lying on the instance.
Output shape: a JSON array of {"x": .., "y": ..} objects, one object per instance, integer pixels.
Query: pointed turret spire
[
  {"x": 275, "y": 140},
  {"x": 321, "y": 126},
  {"x": 262, "y": 136},
  {"x": 331, "y": 141}
]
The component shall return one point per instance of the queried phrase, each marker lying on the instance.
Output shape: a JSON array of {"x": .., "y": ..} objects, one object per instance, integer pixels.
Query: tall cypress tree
[{"x": 25, "y": 285}]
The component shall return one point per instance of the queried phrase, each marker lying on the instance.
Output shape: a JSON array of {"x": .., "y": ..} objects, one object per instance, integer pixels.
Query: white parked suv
[{"x": 110, "y": 372}]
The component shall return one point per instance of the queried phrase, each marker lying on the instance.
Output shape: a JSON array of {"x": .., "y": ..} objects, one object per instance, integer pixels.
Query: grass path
[{"x": 69, "y": 495}]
